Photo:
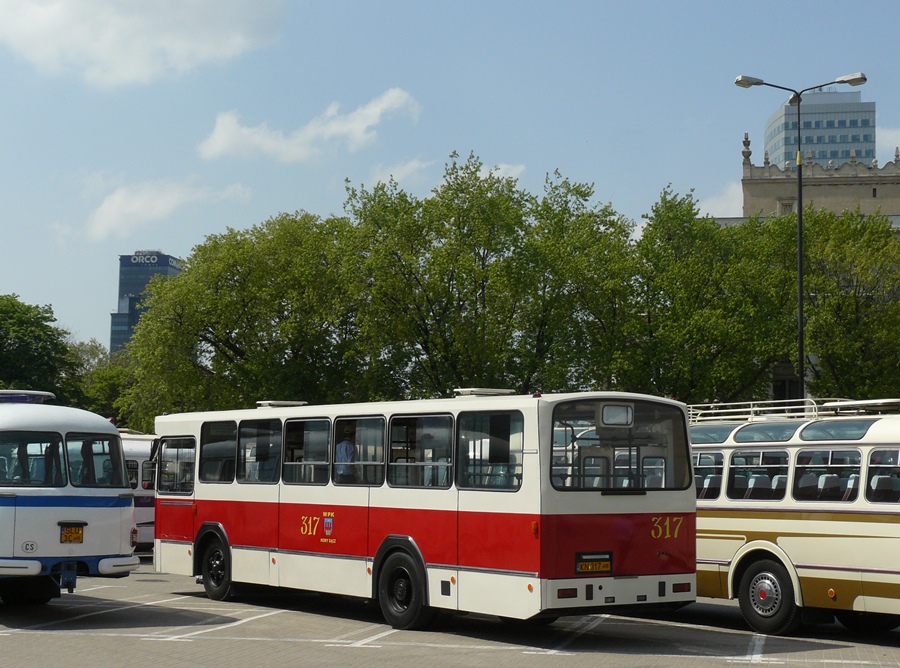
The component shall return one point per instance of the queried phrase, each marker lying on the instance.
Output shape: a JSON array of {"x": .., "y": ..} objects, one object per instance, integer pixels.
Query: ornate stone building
[{"x": 770, "y": 190}]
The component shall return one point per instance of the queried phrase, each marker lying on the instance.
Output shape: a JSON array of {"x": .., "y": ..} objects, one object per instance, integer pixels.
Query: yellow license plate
[
  {"x": 71, "y": 534},
  {"x": 596, "y": 562}
]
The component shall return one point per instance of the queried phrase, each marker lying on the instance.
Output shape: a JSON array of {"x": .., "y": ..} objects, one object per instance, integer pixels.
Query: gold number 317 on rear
[{"x": 666, "y": 527}]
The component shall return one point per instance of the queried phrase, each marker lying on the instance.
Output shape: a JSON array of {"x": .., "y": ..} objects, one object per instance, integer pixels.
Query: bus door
[
  {"x": 417, "y": 507},
  {"x": 252, "y": 524},
  {"x": 497, "y": 523},
  {"x": 323, "y": 514},
  {"x": 175, "y": 503}
]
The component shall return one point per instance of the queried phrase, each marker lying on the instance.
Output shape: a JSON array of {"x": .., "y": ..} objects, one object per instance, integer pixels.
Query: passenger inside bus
[{"x": 345, "y": 470}]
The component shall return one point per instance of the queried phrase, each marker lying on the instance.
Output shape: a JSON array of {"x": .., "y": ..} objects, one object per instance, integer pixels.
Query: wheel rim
[
  {"x": 215, "y": 565},
  {"x": 765, "y": 594},
  {"x": 400, "y": 590}
]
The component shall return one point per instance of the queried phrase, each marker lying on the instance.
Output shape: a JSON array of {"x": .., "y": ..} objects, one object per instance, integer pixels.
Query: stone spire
[{"x": 746, "y": 152}]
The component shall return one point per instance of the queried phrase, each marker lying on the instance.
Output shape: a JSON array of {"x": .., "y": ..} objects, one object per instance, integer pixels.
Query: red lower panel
[
  {"x": 636, "y": 544},
  {"x": 549, "y": 545}
]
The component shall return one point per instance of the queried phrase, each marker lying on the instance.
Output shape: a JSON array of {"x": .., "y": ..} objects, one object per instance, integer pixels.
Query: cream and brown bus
[{"x": 798, "y": 511}]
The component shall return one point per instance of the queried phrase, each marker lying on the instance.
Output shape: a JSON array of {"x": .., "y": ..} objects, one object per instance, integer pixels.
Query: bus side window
[
  {"x": 490, "y": 447},
  {"x": 366, "y": 464},
  {"x": 883, "y": 477},
  {"x": 306, "y": 451},
  {"x": 420, "y": 451},
  {"x": 259, "y": 451}
]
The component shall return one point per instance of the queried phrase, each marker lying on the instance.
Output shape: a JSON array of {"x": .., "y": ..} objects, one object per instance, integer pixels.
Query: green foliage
[
  {"x": 255, "y": 314},
  {"x": 710, "y": 307},
  {"x": 443, "y": 280},
  {"x": 852, "y": 286},
  {"x": 484, "y": 284},
  {"x": 34, "y": 353}
]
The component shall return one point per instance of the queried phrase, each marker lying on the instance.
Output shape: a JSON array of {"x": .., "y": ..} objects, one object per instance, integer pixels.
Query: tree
[
  {"x": 105, "y": 378},
  {"x": 853, "y": 305},
  {"x": 446, "y": 282},
  {"x": 34, "y": 353},
  {"x": 254, "y": 315},
  {"x": 709, "y": 306},
  {"x": 582, "y": 276}
]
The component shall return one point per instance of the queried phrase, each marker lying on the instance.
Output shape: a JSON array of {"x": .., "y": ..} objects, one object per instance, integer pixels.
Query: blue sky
[{"x": 140, "y": 124}]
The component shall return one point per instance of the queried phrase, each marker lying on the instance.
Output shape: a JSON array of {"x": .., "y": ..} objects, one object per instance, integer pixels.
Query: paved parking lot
[{"x": 167, "y": 620}]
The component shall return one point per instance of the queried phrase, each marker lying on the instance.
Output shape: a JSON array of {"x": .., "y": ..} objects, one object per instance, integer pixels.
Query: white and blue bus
[{"x": 66, "y": 506}]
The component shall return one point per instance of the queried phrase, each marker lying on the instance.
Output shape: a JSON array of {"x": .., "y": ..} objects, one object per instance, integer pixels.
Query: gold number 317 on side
[{"x": 666, "y": 527}]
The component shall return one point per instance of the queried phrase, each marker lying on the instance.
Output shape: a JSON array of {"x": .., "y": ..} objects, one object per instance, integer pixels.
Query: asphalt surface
[{"x": 164, "y": 620}]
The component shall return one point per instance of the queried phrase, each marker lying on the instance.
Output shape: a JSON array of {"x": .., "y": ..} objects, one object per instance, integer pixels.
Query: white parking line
[
  {"x": 365, "y": 641},
  {"x": 580, "y": 628},
  {"x": 187, "y": 636}
]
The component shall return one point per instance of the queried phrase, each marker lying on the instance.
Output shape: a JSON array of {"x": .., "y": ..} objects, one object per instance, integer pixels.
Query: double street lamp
[{"x": 744, "y": 81}]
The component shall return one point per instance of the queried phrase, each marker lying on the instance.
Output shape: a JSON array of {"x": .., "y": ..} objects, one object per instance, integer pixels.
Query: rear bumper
[
  {"x": 19, "y": 567},
  {"x": 118, "y": 565}
]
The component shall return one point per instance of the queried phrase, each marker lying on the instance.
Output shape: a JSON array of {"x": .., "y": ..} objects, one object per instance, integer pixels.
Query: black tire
[
  {"x": 401, "y": 592},
  {"x": 29, "y": 591},
  {"x": 216, "y": 571},
  {"x": 867, "y": 622},
  {"x": 767, "y": 599}
]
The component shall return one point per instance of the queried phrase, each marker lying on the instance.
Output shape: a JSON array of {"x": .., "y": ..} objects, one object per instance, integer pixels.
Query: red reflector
[
  {"x": 567, "y": 593},
  {"x": 681, "y": 587}
]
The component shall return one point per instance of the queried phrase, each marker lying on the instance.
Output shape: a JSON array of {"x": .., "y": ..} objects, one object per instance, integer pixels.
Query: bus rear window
[{"x": 619, "y": 445}]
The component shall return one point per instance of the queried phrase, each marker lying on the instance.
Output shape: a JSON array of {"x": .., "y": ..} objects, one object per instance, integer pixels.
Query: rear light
[
  {"x": 134, "y": 536},
  {"x": 567, "y": 593},
  {"x": 681, "y": 587}
]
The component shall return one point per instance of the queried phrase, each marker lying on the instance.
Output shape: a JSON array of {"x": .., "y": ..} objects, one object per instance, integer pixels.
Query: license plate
[
  {"x": 71, "y": 534},
  {"x": 594, "y": 563}
]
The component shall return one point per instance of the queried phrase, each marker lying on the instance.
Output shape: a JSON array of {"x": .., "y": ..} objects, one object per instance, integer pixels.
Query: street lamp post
[{"x": 744, "y": 81}]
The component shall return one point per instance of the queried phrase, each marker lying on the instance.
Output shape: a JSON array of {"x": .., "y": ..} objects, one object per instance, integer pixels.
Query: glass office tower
[
  {"x": 832, "y": 125},
  {"x": 135, "y": 272}
]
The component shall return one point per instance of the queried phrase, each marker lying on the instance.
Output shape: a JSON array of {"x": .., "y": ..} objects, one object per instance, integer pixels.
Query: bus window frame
[
  {"x": 412, "y": 466},
  {"x": 490, "y": 480}
]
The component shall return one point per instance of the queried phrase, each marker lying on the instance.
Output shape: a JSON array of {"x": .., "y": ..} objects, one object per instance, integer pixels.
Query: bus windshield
[
  {"x": 95, "y": 460},
  {"x": 608, "y": 445}
]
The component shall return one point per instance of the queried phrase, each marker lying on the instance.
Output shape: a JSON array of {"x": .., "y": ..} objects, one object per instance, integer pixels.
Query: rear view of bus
[
  {"x": 66, "y": 508},
  {"x": 619, "y": 520}
]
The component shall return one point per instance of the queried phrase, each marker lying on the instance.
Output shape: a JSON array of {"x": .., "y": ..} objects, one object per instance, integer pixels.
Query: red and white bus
[{"x": 524, "y": 507}]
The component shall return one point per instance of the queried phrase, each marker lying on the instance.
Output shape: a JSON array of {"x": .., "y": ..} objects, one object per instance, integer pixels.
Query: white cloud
[
  {"x": 727, "y": 204},
  {"x": 400, "y": 172},
  {"x": 128, "y": 208},
  {"x": 113, "y": 43},
  {"x": 229, "y": 137},
  {"x": 503, "y": 170},
  {"x": 511, "y": 171}
]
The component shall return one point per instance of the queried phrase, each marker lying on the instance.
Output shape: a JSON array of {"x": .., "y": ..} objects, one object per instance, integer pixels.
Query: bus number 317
[
  {"x": 309, "y": 525},
  {"x": 666, "y": 527}
]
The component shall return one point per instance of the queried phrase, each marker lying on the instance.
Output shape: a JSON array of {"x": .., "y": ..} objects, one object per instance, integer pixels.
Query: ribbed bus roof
[{"x": 809, "y": 408}]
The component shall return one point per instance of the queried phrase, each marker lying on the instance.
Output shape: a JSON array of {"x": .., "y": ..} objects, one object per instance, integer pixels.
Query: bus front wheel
[
  {"x": 401, "y": 592},
  {"x": 767, "y": 599},
  {"x": 216, "y": 571}
]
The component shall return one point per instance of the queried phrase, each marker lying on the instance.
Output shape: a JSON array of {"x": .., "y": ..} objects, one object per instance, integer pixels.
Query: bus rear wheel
[
  {"x": 29, "y": 591},
  {"x": 216, "y": 571},
  {"x": 867, "y": 622},
  {"x": 767, "y": 599},
  {"x": 401, "y": 593}
]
